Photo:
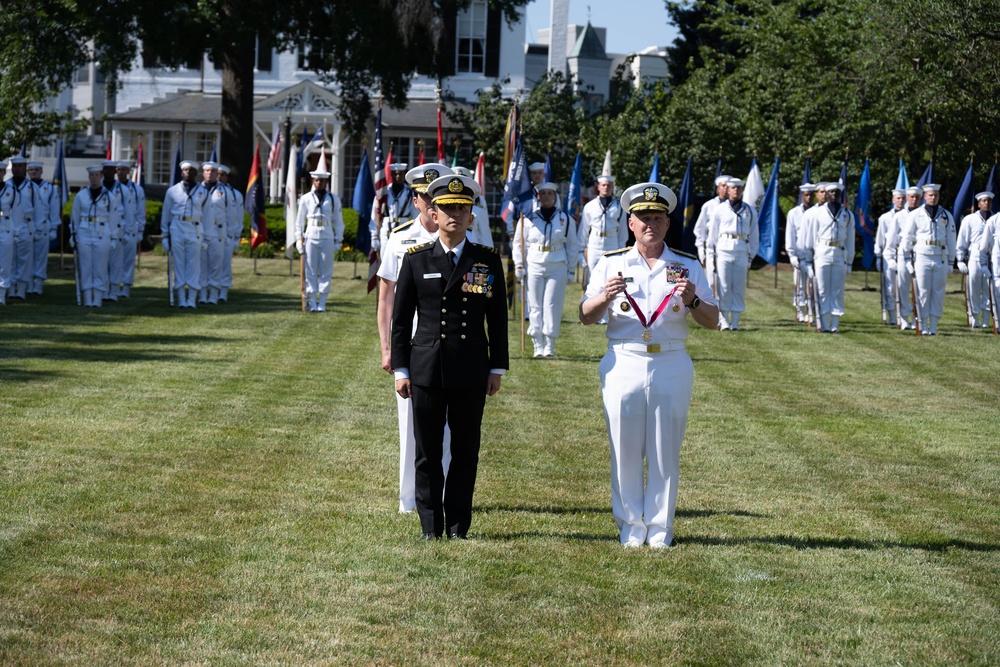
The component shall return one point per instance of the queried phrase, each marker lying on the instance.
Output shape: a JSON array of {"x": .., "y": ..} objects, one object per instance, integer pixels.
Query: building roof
[
  {"x": 420, "y": 114},
  {"x": 588, "y": 45},
  {"x": 184, "y": 106}
]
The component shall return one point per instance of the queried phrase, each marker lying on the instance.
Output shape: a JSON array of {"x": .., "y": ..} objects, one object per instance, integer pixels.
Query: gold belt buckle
[{"x": 653, "y": 347}]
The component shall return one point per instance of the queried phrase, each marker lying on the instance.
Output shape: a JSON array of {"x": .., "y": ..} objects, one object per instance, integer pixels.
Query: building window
[
  {"x": 470, "y": 39},
  {"x": 160, "y": 156},
  {"x": 310, "y": 60},
  {"x": 404, "y": 149},
  {"x": 265, "y": 53},
  {"x": 204, "y": 143}
]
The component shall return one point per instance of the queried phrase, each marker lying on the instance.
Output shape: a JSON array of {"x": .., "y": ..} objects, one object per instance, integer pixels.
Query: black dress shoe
[
  {"x": 429, "y": 537},
  {"x": 457, "y": 536}
]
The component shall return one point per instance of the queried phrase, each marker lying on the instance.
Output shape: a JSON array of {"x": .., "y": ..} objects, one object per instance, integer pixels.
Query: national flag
[
  {"x": 685, "y": 214},
  {"x": 440, "y": 139},
  {"x": 138, "y": 173},
  {"x": 927, "y": 176},
  {"x": 769, "y": 219},
  {"x": 843, "y": 183},
  {"x": 420, "y": 155},
  {"x": 510, "y": 140},
  {"x": 59, "y": 179},
  {"x": 24, "y": 149},
  {"x": 511, "y": 281},
  {"x": 319, "y": 139},
  {"x": 518, "y": 192},
  {"x": 754, "y": 189},
  {"x": 806, "y": 177},
  {"x": 573, "y": 205},
  {"x": 254, "y": 202},
  {"x": 654, "y": 173},
  {"x": 107, "y": 151},
  {"x": 274, "y": 157},
  {"x": 549, "y": 177},
  {"x": 364, "y": 193},
  {"x": 481, "y": 172},
  {"x": 291, "y": 203},
  {"x": 300, "y": 163},
  {"x": 606, "y": 169},
  {"x": 381, "y": 171},
  {"x": 718, "y": 167},
  {"x": 993, "y": 185},
  {"x": 902, "y": 180},
  {"x": 175, "y": 172},
  {"x": 965, "y": 199},
  {"x": 864, "y": 221}
]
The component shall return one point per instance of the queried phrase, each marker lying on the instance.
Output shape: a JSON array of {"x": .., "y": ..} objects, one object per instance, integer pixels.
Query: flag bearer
[
  {"x": 927, "y": 247},
  {"x": 234, "y": 229},
  {"x": 21, "y": 200},
  {"x": 92, "y": 234},
  {"x": 793, "y": 246},
  {"x": 733, "y": 237},
  {"x": 133, "y": 227},
  {"x": 47, "y": 218},
  {"x": 603, "y": 225},
  {"x": 185, "y": 212},
  {"x": 888, "y": 228},
  {"x": 967, "y": 251},
  {"x": 828, "y": 253},
  {"x": 319, "y": 231}
]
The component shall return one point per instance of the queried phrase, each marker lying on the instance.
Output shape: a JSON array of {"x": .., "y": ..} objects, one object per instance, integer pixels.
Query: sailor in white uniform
[
  {"x": 319, "y": 231},
  {"x": 970, "y": 234},
  {"x": 927, "y": 250},
  {"x": 733, "y": 238}
]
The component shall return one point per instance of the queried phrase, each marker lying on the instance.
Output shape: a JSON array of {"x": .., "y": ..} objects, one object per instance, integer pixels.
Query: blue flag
[
  {"x": 806, "y": 178},
  {"x": 572, "y": 206},
  {"x": 863, "y": 220},
  {"x": 364, "y": 194},
  {"x": 518, "y": 193},
  {"x": 902, "y": 180},
  {"x": 964, "y": 200},
  {"x": 770, "y": 214},
  {"x": 993, "y": 185},
  {"x": 718, "y": 167},
  {"x": 301, "y": 155},
  {"x": 654, "y": 174},
  {"x": 843, "y": 184},
  {"x": 214, "y": 156},
  {"x": 59, "y": 179},
  {"x": 549, "y": 178},
  {"x": 685, "y": 214},
  {"x": 175, "y": 172},
  {"x": 927, "y": 176}
]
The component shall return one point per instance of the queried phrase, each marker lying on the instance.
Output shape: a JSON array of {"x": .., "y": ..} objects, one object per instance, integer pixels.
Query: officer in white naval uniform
[
  {"x": 885, "y": 258},
  {"x": 904, "y": 281},
  {"x": 416, "y": 232},
  {"x": 646, "y": 376},
  {"x": 704, "y": 217},
  {"x": 733, "y": 238},
  {"x": 793, "y": 246},
  {"x": 545, "y": 255},
  {"x": 399, "y": 208},
  {"x": 91, "y": 234},
  {"x": 214, "y": 236},
  {"x": 828, "y": 253},
  {"x": 23, "y": 199},
  {"x": 988, "y": 256},
  {"x": 319, "y": 231},
  {"x": 234, "y": 229},
  {"x": 48, "y": 218},
  {"x": 133, "y": 226},
  {"x": 927, "y": 250},
  {"x": 970, "y": 235},
  {"x": 186, "y": 211}
]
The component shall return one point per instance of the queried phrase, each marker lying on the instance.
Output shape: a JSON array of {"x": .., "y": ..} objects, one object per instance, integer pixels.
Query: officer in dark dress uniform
[{"x": 456, "y": 357}]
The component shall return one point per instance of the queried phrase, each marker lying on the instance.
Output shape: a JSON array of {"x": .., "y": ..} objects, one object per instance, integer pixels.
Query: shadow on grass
[
  {"x": 804, "y": 543},
  {"x": 571, "y": 510},
  {"x": 23, "y": 376}
]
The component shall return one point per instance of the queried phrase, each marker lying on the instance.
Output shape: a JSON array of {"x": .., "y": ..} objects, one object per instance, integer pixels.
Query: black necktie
[{"x": 452, "y": 258}]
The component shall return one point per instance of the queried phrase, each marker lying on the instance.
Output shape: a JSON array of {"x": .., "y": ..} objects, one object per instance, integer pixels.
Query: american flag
[
  {"x": 381, "y": 192},
  {"x": 274, "y": 159}
]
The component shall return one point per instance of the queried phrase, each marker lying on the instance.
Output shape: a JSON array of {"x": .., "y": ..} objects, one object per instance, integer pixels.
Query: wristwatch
[{"x": 695, "y": 302}]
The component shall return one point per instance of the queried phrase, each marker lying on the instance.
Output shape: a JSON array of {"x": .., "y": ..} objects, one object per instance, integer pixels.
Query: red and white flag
[{"x": 274, "y": 158}]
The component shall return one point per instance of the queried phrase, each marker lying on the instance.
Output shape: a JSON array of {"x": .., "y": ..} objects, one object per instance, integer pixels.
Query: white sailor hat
[
  {"x": 209, "y": 165},
  {"x": 605, "y": 178},
  {"x": 834, "y": 186},
  {"x": 319, "y": 173},
  {"x": 986, "y": 194},
  {"x": 462, "y": 171},
  {"x": 535, "y": 166},
  {"x": 454, "y": 189},
  {"x": 932, "y": 187},
  {"x": 722, "y": 180},
  {"x": 397, "y": 166},
  {"x": 898, "y": 191},
  {"x": 422, "y": 176},
  {"x": 188, "y": 164},
  {"x": 95, "y": 168},
  {"x": 547, "y": 186},
  {"x": 807, "y": 187},
  {"x": 736, "y": 183},
  {"x": 649, "y": 197},
  {"x": 35, "y": 165},
  {"x": 123, "y": 164},
  {"x": 822, "y": 186},
  {"x": 18, "y": 159},
  {"x": 223, "y": 169},
  {"x": 113, "y": 164},
  {"x": 913, "y": 190}
]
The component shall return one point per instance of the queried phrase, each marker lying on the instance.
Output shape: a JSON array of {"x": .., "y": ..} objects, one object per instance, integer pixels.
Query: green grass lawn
[{"x": 219, "y": 486}]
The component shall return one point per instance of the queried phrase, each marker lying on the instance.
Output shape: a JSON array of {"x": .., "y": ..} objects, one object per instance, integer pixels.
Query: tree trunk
[{"x": 237, "y": 142}]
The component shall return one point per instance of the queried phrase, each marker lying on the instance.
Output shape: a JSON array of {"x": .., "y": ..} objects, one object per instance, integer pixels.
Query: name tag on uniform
[
  {"x": 409, "y": 241},
  {"x": 629, "y": 279},
  {"x": 431, "y": 275}
]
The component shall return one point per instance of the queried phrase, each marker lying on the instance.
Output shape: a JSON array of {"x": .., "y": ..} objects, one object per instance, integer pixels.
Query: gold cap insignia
[
  {"x": 651, "y": 193},
  {"x": 430, "y": 175},
  {"x": 456, "y": 185}
]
